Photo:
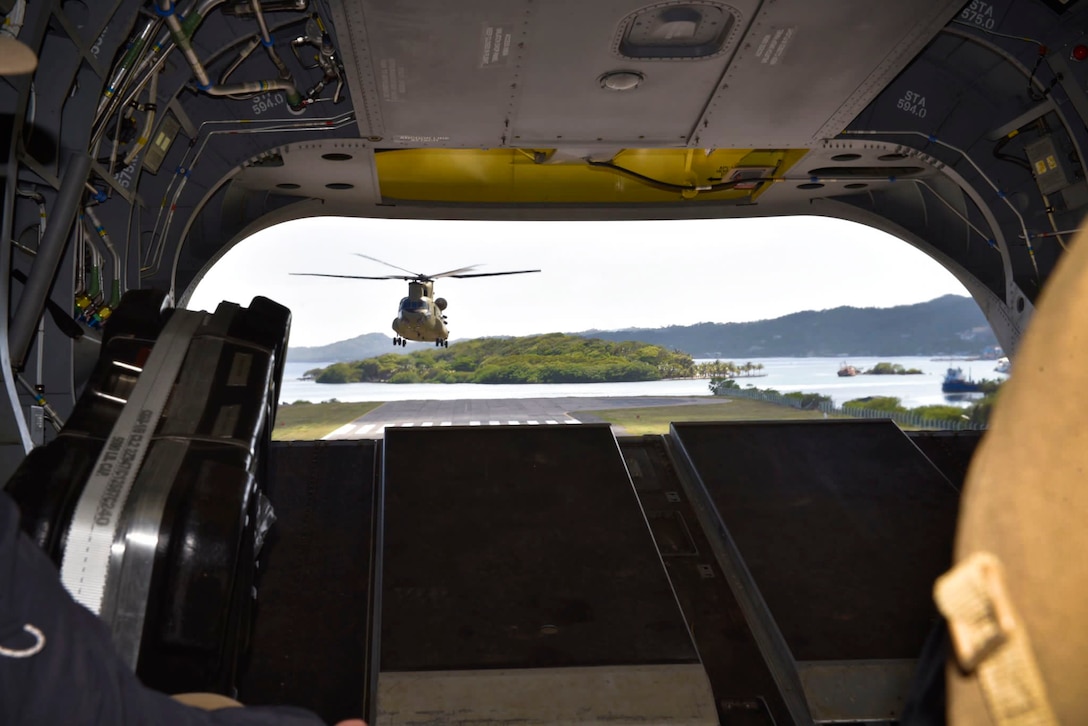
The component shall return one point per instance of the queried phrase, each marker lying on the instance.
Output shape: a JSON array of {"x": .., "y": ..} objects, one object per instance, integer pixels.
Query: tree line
[
  {"x": 552, "y": 358},
  {"x": 728, "y": 369},
  {"x": 977, "y": 413}
]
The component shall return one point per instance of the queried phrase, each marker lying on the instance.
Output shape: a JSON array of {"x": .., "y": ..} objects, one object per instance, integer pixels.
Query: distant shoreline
[{"x": 744, "y": 357}]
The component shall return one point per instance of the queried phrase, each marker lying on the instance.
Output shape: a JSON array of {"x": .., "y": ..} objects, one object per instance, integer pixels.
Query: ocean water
[{"x": 811, "y": 375}]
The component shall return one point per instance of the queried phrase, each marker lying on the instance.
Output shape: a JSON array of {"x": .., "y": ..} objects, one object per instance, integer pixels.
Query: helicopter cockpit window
[{"x": 407, "y": 305}]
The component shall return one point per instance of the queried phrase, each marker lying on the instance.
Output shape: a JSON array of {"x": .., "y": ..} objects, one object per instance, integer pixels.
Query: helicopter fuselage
[{"x": 419, "y": 316}]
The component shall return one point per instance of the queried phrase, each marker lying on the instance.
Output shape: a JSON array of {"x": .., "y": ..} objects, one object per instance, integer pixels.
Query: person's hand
[{"x": 352, "y": 722}]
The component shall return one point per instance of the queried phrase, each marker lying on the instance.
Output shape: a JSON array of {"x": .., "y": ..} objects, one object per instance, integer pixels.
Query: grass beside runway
[
  {"x": 656, "y": 419},
  {"x": 311, "y": 421}
]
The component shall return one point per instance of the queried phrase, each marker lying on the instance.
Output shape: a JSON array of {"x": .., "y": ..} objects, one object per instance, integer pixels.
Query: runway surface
[{"x": 497, "y": 412}]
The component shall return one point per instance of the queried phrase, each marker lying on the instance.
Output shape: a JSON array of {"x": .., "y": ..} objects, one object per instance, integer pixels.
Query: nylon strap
[
  {"x": 97, "y": 518},
  {"x": 989, "y": 641}
]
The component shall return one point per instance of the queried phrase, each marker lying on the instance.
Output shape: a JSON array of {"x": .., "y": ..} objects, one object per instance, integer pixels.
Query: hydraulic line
[
  {"x": 975, "y": 26},
  {"x": 120, "y": 75},
  {"x": 181, "y": 35},
  {"x": 242, "y": 56},
  {"x": 115, "y": 283},
  {"x": 266, "y": 41},
  {"x": 963, "y": 218},
  {"x": 235, "y": 89},
  {"x": 118, "y": 106},
  {"x": 153, "y": 258},
  {"x": 250, "y": 45},
  {"x": 1023, "y": 70},
  {"x": 165, "y": 10},
  {"x": 51, "y": 413},
  {"x": 327, "y": 60},
  {"x": 149, "y": 119},
  {"x": 1055, "y": 234},
  {"x": 682, "y": 188},
  {"x": 242, "y": 9},
  {"x": 123, "y": 114}
]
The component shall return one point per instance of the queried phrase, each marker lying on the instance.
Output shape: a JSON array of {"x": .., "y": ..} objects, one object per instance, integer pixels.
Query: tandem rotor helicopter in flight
[{"x": 421, "y": 315}]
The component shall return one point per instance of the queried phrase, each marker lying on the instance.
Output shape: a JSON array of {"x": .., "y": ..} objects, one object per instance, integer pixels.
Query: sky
[{"x": 595, "y": 275}]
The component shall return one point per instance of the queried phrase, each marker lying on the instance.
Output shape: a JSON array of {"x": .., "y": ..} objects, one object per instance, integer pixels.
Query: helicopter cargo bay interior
[{"x": 731, "y": 572}]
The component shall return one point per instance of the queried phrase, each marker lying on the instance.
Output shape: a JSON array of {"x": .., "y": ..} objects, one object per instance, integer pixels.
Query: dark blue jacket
[{"x": 69, "y": 674}]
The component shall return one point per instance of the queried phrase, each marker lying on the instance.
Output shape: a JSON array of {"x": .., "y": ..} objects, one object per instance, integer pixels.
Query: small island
[
  {"x": 891, "y": 369},
  {"x": 551, "y": 358}
]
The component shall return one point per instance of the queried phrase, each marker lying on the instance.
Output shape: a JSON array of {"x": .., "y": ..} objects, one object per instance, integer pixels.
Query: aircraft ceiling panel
[
  {"x": 561, "y": 95},
  {"x": 814, "y": 55},
  {"x": 441, "y": 73}
]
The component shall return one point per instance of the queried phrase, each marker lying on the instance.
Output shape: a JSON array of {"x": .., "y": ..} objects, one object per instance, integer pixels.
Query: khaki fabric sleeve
[{"x": 1025, "y": 502}]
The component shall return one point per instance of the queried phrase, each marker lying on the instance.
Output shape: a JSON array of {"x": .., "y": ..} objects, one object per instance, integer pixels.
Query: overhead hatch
[{"x": 676, "y": 31}]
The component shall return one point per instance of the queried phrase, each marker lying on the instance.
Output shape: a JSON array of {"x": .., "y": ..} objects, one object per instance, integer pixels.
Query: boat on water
[
  {"x": 956, "y": 382},
  {"x": 846, "y": 370}
]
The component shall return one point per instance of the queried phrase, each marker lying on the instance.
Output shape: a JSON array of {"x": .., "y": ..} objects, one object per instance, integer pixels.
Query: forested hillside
[
  {"x": 553, "y": 358},
  {"x": 948, "y": 325}
]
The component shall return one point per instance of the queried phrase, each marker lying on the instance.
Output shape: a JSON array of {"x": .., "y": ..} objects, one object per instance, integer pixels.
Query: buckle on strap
[{"x": 989, "y": 641}]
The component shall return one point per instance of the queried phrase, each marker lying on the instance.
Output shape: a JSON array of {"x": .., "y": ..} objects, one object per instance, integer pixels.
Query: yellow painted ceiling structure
[{"x": 542, "y": 176}]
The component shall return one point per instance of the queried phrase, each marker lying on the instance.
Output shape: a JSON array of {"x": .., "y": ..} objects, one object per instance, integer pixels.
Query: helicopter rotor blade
[
  {"x": 493, "y": 274},
  {"x": 353, "y": 277},
  {"x": 388, "y": 264},
  {"x": 452, "y": 273}
]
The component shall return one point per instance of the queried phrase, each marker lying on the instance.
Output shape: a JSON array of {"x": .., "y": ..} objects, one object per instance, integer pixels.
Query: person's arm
[{"x": 58, "y": 664}]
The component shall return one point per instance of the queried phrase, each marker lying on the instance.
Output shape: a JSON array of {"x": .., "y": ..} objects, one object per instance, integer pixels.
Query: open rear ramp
[
  {"x": 744, "y": 689},
  {"x": 832, "y": 533},
  {"x": 522, "y": 584},
  {"x": 314, "y": 643}
]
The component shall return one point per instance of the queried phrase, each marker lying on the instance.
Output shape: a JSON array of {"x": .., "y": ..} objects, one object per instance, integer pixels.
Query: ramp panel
[
  {"x": 314, "y": 641},
  {"x": 832, "y": 533},
  {"x": 950, "y": 451},
  {"x": 515, "y": 555}
]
